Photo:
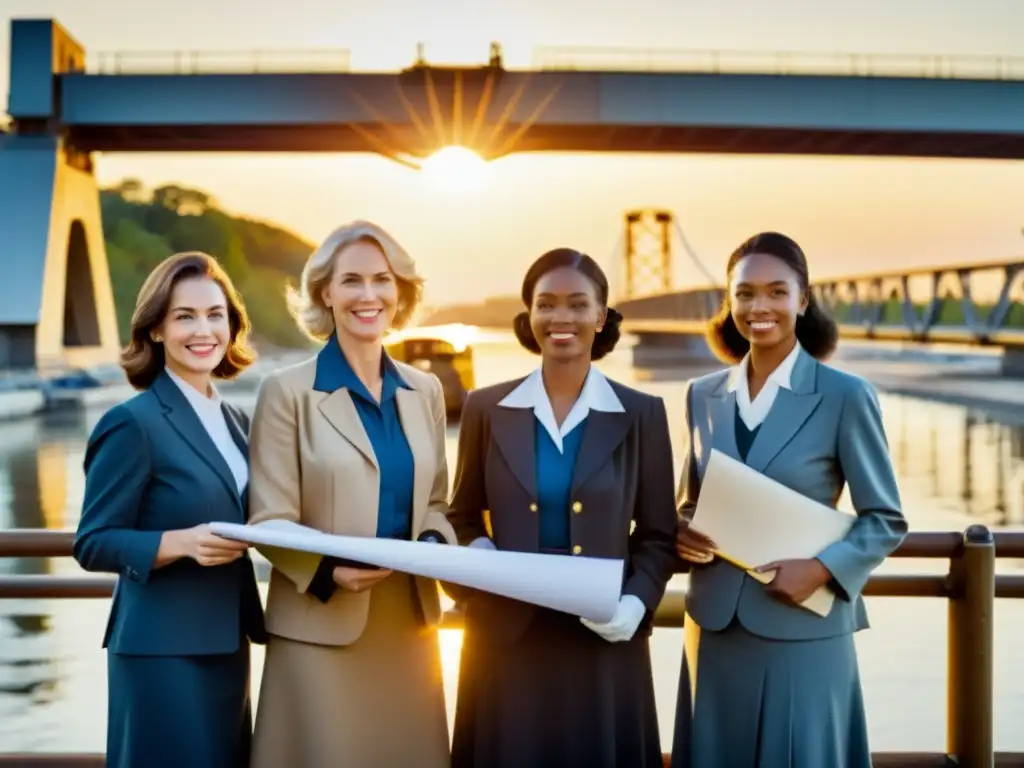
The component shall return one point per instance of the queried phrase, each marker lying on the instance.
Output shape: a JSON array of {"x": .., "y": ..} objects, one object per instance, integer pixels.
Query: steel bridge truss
[{"x": 979, "y": 304}]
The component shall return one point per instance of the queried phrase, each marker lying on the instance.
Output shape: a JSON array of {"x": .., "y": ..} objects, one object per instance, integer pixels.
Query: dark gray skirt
[
  {"x": 559, "y": 696},
  {"x": 176, "y": 711},
  {"x": 769, "y": 704}
]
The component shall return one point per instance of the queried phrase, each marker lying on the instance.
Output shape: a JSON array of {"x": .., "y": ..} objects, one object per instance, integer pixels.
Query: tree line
[{"x": 142, "y": 227}]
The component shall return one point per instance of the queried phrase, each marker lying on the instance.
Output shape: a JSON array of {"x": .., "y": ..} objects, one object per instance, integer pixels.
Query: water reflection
[
  {"x": 34, "y": 478},
  {"x": 959, "y": 457},
  {"x": 954, "y": 465}
]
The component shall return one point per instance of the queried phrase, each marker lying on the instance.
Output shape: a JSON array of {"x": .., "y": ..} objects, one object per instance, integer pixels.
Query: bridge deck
[
  {"x": 416, "y": 111},
  {"x": 567, "y": 105}
]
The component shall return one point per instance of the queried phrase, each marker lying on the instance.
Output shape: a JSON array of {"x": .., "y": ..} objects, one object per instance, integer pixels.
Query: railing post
[{"x": 970, "y": 651}]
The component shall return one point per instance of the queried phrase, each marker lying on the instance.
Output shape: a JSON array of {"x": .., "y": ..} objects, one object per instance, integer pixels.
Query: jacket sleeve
[
  {"x": 274, "y": 481},
  {"x": 689, "y": 481},
  {"x": 117, "y": 467},
  {"x": 863, "y": 452},
  {"x": 652, "y": 542},
  {"x": 436, "y": 518},
  {"x": 469, "y": 497}
]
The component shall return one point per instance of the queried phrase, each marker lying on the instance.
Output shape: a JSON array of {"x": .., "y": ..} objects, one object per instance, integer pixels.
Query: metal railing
[
  {"x": 590, "y": 59},
  {"x": 970, "y": 587},
  {"x": 218, "y": 62},
  {"x": 740, "y": 62}
]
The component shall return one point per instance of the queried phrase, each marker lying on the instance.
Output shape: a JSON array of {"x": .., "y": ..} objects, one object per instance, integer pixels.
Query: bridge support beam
[
  {"x": 672, "y": 350},
  {"x": 56, "y": 302},
  {"x": 1013, "y": 361}
]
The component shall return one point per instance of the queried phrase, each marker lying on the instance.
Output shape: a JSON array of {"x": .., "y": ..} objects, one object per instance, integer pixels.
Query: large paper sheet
[
  {"x": 588, "y": 587},
  {"x": 755, "y": 520}
]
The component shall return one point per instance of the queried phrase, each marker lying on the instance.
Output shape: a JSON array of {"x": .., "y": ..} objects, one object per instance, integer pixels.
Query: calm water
[{"x": 955, "y": 467}]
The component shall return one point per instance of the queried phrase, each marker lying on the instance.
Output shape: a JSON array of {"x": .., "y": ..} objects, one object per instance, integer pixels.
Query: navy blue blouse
[
  {"x": 383, "y": 427},
  {"x": 554, "y": 484}
]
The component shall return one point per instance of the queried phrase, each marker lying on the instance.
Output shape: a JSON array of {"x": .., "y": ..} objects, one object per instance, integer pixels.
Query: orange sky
[{"x": 850, "y": 214}]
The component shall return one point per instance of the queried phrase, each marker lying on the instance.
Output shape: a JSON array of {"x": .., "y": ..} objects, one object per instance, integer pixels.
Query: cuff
[
  {"x": 640, "y": 586},
  {"x": 140, "y": 552},
  {"x": 322, "y": 585},
  {"x": 432, "y": 537},
  {"x": 848, "y": 579},
  {"x": 630, "y": 613}
]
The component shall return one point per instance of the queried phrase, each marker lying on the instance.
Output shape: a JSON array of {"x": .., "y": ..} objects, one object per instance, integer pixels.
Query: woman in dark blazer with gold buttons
[
  {"x": 158, "y": 468},
  {"x": 563, "y": 461}
]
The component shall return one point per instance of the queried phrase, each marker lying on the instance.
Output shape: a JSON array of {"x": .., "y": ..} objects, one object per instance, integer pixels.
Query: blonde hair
[{"x": 306, "y": 303}]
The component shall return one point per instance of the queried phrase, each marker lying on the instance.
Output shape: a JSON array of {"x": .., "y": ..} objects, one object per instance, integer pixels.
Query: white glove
[
  {"x": 482, "y": 542},
  {"x": 627, "y": 618}
]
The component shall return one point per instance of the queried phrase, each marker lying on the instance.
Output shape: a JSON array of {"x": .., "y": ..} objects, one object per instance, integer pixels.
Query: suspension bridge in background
[{"x": 974, "y": 304}]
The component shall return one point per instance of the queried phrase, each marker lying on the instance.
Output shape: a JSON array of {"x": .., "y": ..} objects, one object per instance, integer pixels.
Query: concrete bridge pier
[
  {"x": 56, "y": 302},
  {"x": 669, "y": 350},
  {"x": 1013, "y": 361}
]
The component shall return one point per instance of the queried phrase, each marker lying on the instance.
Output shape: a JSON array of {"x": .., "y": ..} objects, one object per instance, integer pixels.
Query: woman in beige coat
[{"x": 351, "y": 443}]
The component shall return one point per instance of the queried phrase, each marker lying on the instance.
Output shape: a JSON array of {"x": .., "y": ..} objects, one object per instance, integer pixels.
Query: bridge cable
[{"x": 712, "y": 280}]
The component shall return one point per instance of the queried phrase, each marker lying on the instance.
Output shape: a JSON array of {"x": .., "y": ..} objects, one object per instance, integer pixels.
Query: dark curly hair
[
  {"x": 815, "y": 329},
  {"x": 606, "y": 339}
]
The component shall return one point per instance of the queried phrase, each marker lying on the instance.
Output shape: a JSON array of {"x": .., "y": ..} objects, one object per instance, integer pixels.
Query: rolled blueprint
[{"x": 588, "y": 587}]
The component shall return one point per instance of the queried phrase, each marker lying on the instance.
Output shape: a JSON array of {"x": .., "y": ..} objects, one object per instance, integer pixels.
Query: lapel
[
  {"x": 603, "y": 433},
  {"x": 416, "y": 419},
  {"x": 337, "y": 407},
  {"x": 235, "y": 429},
  {"x": 513, "y": 430},
  {"x": 788, "y": 414},
  {"x": 722, "y": 420},
  {"x": 182, "y": 417},
  {"x": 240, "y": 439}
]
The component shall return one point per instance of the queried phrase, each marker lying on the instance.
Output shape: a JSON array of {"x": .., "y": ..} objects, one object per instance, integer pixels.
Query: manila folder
[{"x": 755, "y": 520}]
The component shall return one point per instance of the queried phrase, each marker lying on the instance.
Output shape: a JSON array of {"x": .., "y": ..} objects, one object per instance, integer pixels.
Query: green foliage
[{"x": 142, "y": 228}]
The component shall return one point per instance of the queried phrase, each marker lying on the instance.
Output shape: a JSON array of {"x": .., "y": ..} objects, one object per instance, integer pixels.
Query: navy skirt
[
  {"x": 171, "y": 711},
  {"x": 749, "y": 702},
  {"x": 558, "y": 697}
]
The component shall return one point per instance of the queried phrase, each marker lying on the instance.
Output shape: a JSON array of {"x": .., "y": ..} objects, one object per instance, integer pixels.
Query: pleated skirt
[
  {"x": 377, "y": 703},
  {"x": 749, "y": 702},
  {"x": 559, "y": 696},
  {"x": 171, "y": 711}
]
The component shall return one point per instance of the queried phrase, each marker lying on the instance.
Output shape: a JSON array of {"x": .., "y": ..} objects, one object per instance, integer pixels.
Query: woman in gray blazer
[{"x": 764, "y": 681}]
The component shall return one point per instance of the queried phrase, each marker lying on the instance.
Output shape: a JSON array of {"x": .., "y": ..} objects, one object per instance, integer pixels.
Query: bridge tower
[
  {"x": 649, "y": 291},
  {"x": 56, "y": 302},
  {"x": 647, "y": 253}
]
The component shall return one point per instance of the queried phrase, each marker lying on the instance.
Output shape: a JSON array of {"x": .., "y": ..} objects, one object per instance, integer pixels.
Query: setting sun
[{"x": 455, "y": 169}]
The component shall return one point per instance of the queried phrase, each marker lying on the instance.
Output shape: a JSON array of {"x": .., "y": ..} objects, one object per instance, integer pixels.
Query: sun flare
[{"x": 455, "y": 169}]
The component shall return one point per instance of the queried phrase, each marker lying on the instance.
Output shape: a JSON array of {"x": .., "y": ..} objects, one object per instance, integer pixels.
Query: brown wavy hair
[{"x": 143, "y": 359}]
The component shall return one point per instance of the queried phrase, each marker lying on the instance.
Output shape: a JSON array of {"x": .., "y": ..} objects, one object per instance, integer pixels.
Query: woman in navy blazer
[
  {"x": 160, "y": 467},
  {"x": 765, "y": 682}
]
